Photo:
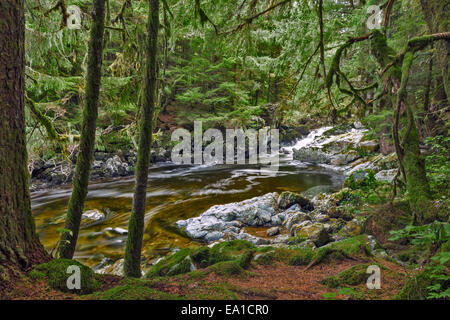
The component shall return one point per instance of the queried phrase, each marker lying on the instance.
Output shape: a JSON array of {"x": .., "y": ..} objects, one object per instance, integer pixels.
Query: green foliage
[
  {"x": 435, "y": 233},
  {"x": 438, "y": 166},
  {"x": 379, "y": 124},
  {"x": 433, "y": 282},
  {"x": 365, "y": 190}
]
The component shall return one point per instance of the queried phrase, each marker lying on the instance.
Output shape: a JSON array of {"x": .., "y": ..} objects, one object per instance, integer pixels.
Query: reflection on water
[{"x": 174, "y": 192}]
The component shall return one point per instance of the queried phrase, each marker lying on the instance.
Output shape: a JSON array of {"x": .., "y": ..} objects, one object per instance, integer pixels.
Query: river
[{"x": 174, "y": 192}]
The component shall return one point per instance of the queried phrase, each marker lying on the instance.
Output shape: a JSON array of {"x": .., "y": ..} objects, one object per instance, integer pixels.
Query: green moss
[
  {"x": 246, "y": 259},
  {"x": 182, "y": 261},
  {"x": 133, "y": 290},
  {"x": 410, "y": 255},
  {"x": 330, "y": 282},
  {"x": 235, "y": 266},
  {"x": 265, "y": 258},
  {"x": 56, "y": 274},
  {"x": 35, "y": 274},
  {"x": 352, "y": 246},
  {"x": 416, "y": 287},
  {"x": 177, "y": 263},
  {"x": 217, "y": 292},
  {"x": 227, "y": 268},
  {"x": 228, "y": 250},
  {"x": 353, "y": 276},
  {"x": 304, "y": 257},
  {"x": 201, "y": 256}
]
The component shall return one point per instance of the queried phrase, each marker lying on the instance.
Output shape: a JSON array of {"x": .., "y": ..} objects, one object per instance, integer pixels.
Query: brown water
[{"x": 174, "y": 192}]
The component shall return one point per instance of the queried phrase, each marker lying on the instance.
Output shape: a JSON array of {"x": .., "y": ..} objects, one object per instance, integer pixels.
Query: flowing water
[{"x": 174, "y": 192}]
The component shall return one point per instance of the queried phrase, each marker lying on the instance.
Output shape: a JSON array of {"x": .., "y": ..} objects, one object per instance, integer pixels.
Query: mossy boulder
[
  {"x": 352, "y": 246},
  {"x": 316, "y": 232},
  {"x": 304, "y": 257},
  {"x": 179, "y": 262},
  {"x": 227, "y": 268},
  {"x": 265, "y": 258},
  {"x": 296, "y": 218},
  {"x": 351, "y": 229},
  {"x": 350, "y": 277},
  {"x": 235, "y": 266},
  {"x": 288, "y": 199},
  {"x": 188, "y": 259},
  {"x": 222, "y": 251},
  {"x": 57, "y": 272}
]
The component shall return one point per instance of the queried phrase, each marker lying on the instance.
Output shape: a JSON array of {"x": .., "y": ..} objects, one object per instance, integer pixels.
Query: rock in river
[
  {"x": 288, "y": 199},
  {"x": 221, "y": 220}
]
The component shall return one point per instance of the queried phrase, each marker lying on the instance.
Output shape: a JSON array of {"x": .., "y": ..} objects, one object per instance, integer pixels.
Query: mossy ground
[
  {"x": 283, "y": 273},
  {"x": 56, "y": 274},
  {"x": 133, "y": 289}
]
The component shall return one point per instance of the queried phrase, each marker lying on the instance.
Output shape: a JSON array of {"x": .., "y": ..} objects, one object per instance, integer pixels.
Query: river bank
[
  {"x": 187, "y": 192},
  {"x": 230, "y": 222}
]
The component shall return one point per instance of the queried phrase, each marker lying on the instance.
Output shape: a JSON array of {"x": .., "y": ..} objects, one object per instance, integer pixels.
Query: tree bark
[
  {"x": 19, "y": 245},
  {"x": 132, "y": 265},
  {"x": 412, "y": 164},
  {"x": 68, "y": 241},
  {"x": 436, "y": 14}
]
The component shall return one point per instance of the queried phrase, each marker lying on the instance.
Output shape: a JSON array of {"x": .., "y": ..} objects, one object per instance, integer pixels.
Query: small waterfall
[{"x": 309, "y": 139}]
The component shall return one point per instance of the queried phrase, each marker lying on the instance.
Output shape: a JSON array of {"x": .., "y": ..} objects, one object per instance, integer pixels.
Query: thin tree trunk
[
  {"x": 132, "y": 265},
  {"x": 68, "y": 241},
  {"x": 19, "y": 245}
]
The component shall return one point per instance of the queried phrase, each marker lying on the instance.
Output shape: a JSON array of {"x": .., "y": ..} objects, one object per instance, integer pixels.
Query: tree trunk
[
  {"x": 68, "y": 241},
  {"x": 408, "y": 154},
  {"x": 132, "y": 266},
  {"x": 19, "y": 245}
]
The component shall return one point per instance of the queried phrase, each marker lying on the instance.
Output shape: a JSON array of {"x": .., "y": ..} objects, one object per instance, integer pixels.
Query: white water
[{"x": 308, "y": 140}]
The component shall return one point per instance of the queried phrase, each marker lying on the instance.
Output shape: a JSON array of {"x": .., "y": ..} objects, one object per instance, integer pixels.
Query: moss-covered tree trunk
[
  {"x": 19, "y": 245},
  {"x": 68, "y": 241},
  {"x": 406, "y": 141},
  {"x": 132, "y": 266},
  {"x": 409, "y": 152}
]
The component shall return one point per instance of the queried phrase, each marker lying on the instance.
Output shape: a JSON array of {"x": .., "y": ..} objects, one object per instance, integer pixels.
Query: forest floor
[{"x": 275, "y": 281}]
